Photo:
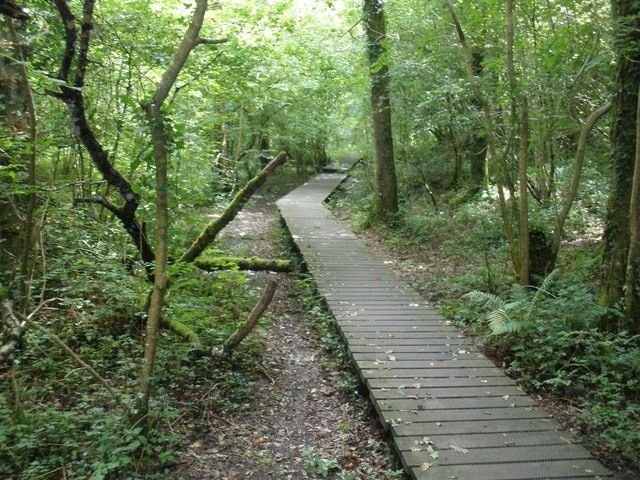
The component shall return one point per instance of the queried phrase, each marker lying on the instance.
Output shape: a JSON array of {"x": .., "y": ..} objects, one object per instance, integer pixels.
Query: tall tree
[
  {"x": 621, "y": 280},
  {"x": 17, "y": 156},
  {"x": 385, "y": 183}
]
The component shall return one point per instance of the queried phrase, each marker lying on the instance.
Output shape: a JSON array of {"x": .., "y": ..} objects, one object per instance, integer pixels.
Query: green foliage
[
  {"x": 518, "y": 312},
  {"x": 550, "y": 345},
  {"x": 316, "y": 465}
]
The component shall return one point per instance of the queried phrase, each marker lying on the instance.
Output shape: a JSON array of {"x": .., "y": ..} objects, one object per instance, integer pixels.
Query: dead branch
[
  {"x": 208, "y": 235},
  {"x": 246, "y": 328},
  {"x": 254, "y": 264}
]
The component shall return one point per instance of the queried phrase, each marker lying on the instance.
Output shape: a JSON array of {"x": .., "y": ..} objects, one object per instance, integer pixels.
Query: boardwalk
[{"x": 451, "y": 412}]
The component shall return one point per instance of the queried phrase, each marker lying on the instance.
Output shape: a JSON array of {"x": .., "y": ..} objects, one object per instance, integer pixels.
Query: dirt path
[{"x": 304, "y": 424}]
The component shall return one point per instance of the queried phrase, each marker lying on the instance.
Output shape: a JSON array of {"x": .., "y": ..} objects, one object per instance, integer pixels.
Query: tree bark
[
  {"x": 385, "y": 201},
  {"x": 523, "y": 197},
  {"x": 13, "y": 328},
  {"x": 496, "y": 160},
  {"x": 73, "y": 97},
  {"x": 616, "y": 239},
  {"x": 630, "y": 288},
  {"x": 153, "y": 109},
  {"x": 17, "y": 220},
  {"x": 572, "y": 189}
]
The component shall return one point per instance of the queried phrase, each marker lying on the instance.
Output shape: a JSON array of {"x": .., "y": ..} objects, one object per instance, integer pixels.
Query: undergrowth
[{"x": 57, "y": 422}]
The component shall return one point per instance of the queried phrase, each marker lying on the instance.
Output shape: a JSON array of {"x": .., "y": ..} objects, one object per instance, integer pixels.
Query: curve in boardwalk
[{"x": 451, "y": 412}]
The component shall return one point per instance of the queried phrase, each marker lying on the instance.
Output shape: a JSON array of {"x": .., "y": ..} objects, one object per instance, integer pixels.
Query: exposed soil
[{"x": 303, "y": 425}]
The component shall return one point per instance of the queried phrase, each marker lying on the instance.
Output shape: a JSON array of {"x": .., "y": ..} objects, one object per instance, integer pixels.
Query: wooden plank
[
  {"x": 435, "y": 403},
  {"x": 482, "y": 413},
  {"x": 475, "y": 427},
  {"x": 424, "y": 378},
  {"x": 443, "y": 392},
  {"x": 415, "y": 355},
  {"x": 409, "y": 374},
  {"x": 393, "y": 341},
  {"x": 401, "y": 364},
  {"x": 467, "y": 456},
  {"x": 417, "y": 382},
  {"x": 483, "y": 440},
  {"x": 543, "y": 470}
]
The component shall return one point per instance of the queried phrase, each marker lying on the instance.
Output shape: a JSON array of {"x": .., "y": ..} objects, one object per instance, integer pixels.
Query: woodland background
[{"x": 500, "y": 157}]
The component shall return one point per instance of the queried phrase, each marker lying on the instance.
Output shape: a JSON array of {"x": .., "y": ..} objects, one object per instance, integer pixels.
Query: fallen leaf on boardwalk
[
  {"x": 425, "y": 466},
  {"x": 416, "y": 385},
  {"x": 458, "y": 449},
  {"x": 388, "y": 352},
  {"x": 392, "y": 358}
]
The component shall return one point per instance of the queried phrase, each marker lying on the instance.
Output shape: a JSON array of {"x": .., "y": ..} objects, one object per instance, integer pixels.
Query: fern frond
[
  {"x": 484, "y": 300},
  {"x": 498, "y": 321},
  {"x": 543, "y": 289}
]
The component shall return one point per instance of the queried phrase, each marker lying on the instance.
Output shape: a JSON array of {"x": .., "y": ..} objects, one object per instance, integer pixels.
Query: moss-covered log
[
  {"x": 244, "y": 263},
  {"x": 208, "y": 235}
]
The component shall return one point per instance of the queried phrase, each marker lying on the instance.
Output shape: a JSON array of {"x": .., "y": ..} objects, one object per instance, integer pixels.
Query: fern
[{"x": 514, "y": 314}]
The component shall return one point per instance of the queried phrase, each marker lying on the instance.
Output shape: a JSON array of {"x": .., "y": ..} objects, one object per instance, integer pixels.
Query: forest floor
[{"x": 304, "y": 424}]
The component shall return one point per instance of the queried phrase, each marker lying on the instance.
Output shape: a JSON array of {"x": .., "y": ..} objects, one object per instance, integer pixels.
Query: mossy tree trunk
[
  {"x": 385, "y": 202},
  {"x": 17, "y": 211},
  {"x": 620, "y": 272},
  {"x": 160, "y": 136}
]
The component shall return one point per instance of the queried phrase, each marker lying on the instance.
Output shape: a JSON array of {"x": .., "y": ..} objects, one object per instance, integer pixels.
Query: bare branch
[{"x": 252, "y": 320}]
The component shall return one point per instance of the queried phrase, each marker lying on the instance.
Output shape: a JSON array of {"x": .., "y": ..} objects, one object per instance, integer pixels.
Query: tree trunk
[
  {"x": 572, "y": 190},
  {"x": 523, "y": 197},
  {"x": 159, "y": 137},
  {"x": 245, "y": 329},
  {"x": 253, "y": 263},
  {"x": 616, "y": 240},
  {"x": 17, "y": 221},
  {"x": 496, "y": 160},
  {"x": 477, "y": 143},
  {"x": 630, "y": 293},
  {"x": 385, "y": 202}
]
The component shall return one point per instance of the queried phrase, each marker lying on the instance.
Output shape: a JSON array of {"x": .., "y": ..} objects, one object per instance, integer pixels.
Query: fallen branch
[
  {"x": 183, "y": 330},
  {"x": 246, "y": 328},
  {"x": 210, "y": 232},
  {"x": 242, "y": 263}
]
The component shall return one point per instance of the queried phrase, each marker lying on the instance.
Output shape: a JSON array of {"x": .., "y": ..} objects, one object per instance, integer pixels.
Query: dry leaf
[{"x": 458, "y": 449}]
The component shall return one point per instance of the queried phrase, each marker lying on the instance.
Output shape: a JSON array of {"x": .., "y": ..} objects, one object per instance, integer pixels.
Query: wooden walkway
[{"x": 451, "y": 412}]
